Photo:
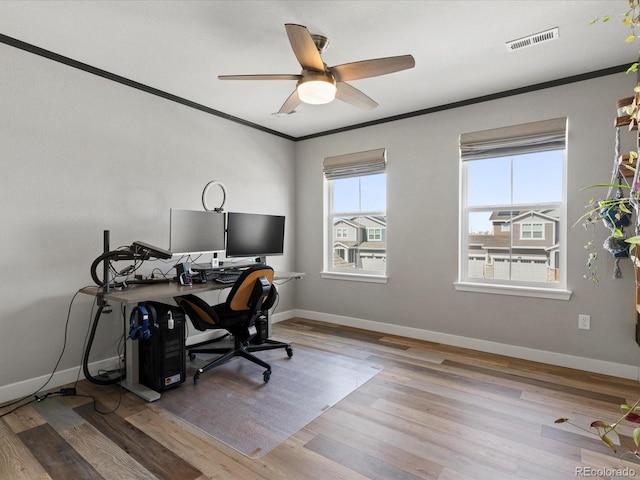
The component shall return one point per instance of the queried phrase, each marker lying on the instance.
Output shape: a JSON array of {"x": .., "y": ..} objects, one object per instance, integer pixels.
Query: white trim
[
  {"x": 519, "y": 291},
  {"x": 29, "y": 387},
  {"x": 282, "y": 316},
  {"x": 354, "y": 277},
  {"x": 620, "y": 370}
]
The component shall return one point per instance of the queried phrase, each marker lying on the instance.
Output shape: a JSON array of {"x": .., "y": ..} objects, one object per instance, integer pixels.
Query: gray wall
[
  {"x": 80, "y": 155},
  {"x": 423, "y": 172}
]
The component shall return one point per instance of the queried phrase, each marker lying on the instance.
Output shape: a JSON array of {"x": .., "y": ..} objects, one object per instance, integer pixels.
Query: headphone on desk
[{"x": 136, "y": 329}]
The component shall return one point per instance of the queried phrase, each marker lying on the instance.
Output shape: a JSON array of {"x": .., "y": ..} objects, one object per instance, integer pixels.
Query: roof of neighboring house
[
  {"x": 352, "y": 220},
  {"x": 489, "y": 241},
  {"x": 534, "y": 213},
  {"x": 345, "y": 244},
  {"x": 378, "y": 245},
  {"x": 505, "y": 216},
  {"x": 347, "y": 221}
]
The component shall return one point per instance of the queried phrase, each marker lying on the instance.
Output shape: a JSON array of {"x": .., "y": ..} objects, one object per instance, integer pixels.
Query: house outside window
[
  {"x": 513, "y": 210},
  {"x": 356, "y": 216}
]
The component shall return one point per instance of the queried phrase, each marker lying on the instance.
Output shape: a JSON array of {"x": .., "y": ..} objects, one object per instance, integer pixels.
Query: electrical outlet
[{"x": 584, "y": 322}]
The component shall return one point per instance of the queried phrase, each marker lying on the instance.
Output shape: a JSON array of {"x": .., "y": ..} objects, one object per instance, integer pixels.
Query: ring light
[{"x": 206, "y": 191}]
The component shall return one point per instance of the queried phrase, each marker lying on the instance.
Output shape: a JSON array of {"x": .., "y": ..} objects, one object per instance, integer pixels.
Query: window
[
  {"x": 513, "y": 210},
  {"x": 374, "y": 234},
  {"x": 341, "y": 232},
  {"x": 356, "y": 215},
  {"x": 532, "y": 231}
]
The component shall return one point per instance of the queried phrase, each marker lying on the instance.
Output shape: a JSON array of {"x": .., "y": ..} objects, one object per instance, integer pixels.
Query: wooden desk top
[{"x": 143, "y": 292}]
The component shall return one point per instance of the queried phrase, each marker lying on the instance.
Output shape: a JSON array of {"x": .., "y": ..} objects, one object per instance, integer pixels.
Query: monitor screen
[
  {"x": 194, "y": 231},
  {"x": 254, "y": 235}
]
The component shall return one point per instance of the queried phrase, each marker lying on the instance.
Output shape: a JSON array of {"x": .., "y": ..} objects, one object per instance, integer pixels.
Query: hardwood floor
[{"x": 433, "y": 412}]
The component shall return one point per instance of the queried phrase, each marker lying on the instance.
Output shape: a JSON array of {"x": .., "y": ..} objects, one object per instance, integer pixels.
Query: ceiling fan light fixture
[
  {"x": 317, "y": 92},
  {"x": 316, "y": 88}
]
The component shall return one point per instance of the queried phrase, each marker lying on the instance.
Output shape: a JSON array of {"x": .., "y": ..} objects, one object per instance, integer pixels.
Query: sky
[
  {"x": 504, "y": 181},
  {"x": 360, "y": 194}
]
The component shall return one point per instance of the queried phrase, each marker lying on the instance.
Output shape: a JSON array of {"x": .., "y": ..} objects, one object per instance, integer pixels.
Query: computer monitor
[
  {"x": 195, "y": 231},
  {"x": 254, "y": 235}
]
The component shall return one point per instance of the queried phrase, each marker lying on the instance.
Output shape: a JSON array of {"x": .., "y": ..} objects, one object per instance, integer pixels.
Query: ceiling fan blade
[
  {"x": 260, "y": 77},
  {"x": 290, "y": 103},
  {"x": 372, "y": 68},
  {"x": 355, "y": 97},
  {"x": 304, "y": 47}
]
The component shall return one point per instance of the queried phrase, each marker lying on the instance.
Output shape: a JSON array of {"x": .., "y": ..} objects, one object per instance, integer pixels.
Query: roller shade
[
  {"x": 355, "y": 164},
  {"x": 515, "y": 140}
]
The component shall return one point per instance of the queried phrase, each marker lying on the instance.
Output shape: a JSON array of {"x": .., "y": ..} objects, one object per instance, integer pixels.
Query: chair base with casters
[
  {"x": 246, "y": 306},
  {"x": 239, "y": 349}
]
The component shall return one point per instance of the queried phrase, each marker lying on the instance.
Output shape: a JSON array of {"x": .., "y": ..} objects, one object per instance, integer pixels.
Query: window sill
[
  {"x": 550, "y": 293},
  {"x": 354, "y": 277}
]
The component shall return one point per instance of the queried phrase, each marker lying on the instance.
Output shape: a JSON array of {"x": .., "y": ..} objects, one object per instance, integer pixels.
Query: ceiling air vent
[{"x": 531, "y": 40}]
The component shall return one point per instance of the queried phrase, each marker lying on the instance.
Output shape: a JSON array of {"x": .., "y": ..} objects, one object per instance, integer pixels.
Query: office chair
[{"x": 247, "y": 304}]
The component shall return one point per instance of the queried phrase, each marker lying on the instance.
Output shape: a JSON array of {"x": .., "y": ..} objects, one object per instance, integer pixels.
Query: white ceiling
[{"x": 181, "y": 47}]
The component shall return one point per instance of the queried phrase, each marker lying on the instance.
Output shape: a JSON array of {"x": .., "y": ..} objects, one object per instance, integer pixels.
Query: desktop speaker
[
  {"x": 262, "y": 330},
  {"x": 162, "y": 356}
]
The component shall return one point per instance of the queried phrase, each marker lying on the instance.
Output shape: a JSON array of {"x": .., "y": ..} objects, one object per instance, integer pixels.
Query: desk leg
[{"x": 132, "y": 380}]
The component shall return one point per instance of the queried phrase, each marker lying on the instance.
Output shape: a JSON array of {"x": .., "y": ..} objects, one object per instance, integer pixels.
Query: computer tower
[{"x": 162, "y": 360}]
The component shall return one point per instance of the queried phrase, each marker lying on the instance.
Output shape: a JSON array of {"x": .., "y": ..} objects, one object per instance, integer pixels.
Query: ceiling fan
[{"x": 318, "y": 84}]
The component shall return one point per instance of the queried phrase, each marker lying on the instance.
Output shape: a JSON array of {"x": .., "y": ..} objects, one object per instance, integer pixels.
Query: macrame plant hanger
[{"x": 613, "y": 217}]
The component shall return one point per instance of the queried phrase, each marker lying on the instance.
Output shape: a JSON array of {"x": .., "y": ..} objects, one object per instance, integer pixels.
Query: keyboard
[
  {"x": 221, "y": 277},
  {"x": 226, "y": 277}
]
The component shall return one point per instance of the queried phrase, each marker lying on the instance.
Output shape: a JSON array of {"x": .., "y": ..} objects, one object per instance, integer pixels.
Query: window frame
[
  {"x": 350, "y": 165},
  {"x": 329, "y": 270},
  {"x": 512, "y": 287}
]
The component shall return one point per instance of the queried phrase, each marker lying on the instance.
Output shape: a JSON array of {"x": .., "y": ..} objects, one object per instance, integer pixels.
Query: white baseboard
[
  {"x": 28, "y": 388},
  {"x": 543, "y": 356},
  {"x": 279, "y": 317}
]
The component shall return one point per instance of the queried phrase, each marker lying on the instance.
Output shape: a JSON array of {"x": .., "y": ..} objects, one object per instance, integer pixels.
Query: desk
[{"x": 137, "y": 293}]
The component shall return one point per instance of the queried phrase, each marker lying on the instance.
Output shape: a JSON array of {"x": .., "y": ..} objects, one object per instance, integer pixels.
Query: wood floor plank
[
  {"x": 425, "y": 443},
  {"x": 190, "y": 444},
  {"x": 371, "y": 466},
  {"x": 23, "y": 419},
  {"x": 106, "y": 458},
  {"x": 16, "y": 460},
  {"x": 523, "y": 379},
  {"x": 56, "y": 456},
  {"x": 390, "y": 453},
  {"x": 520, "y": 444},
  {"x": 154, "y": 456}
]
